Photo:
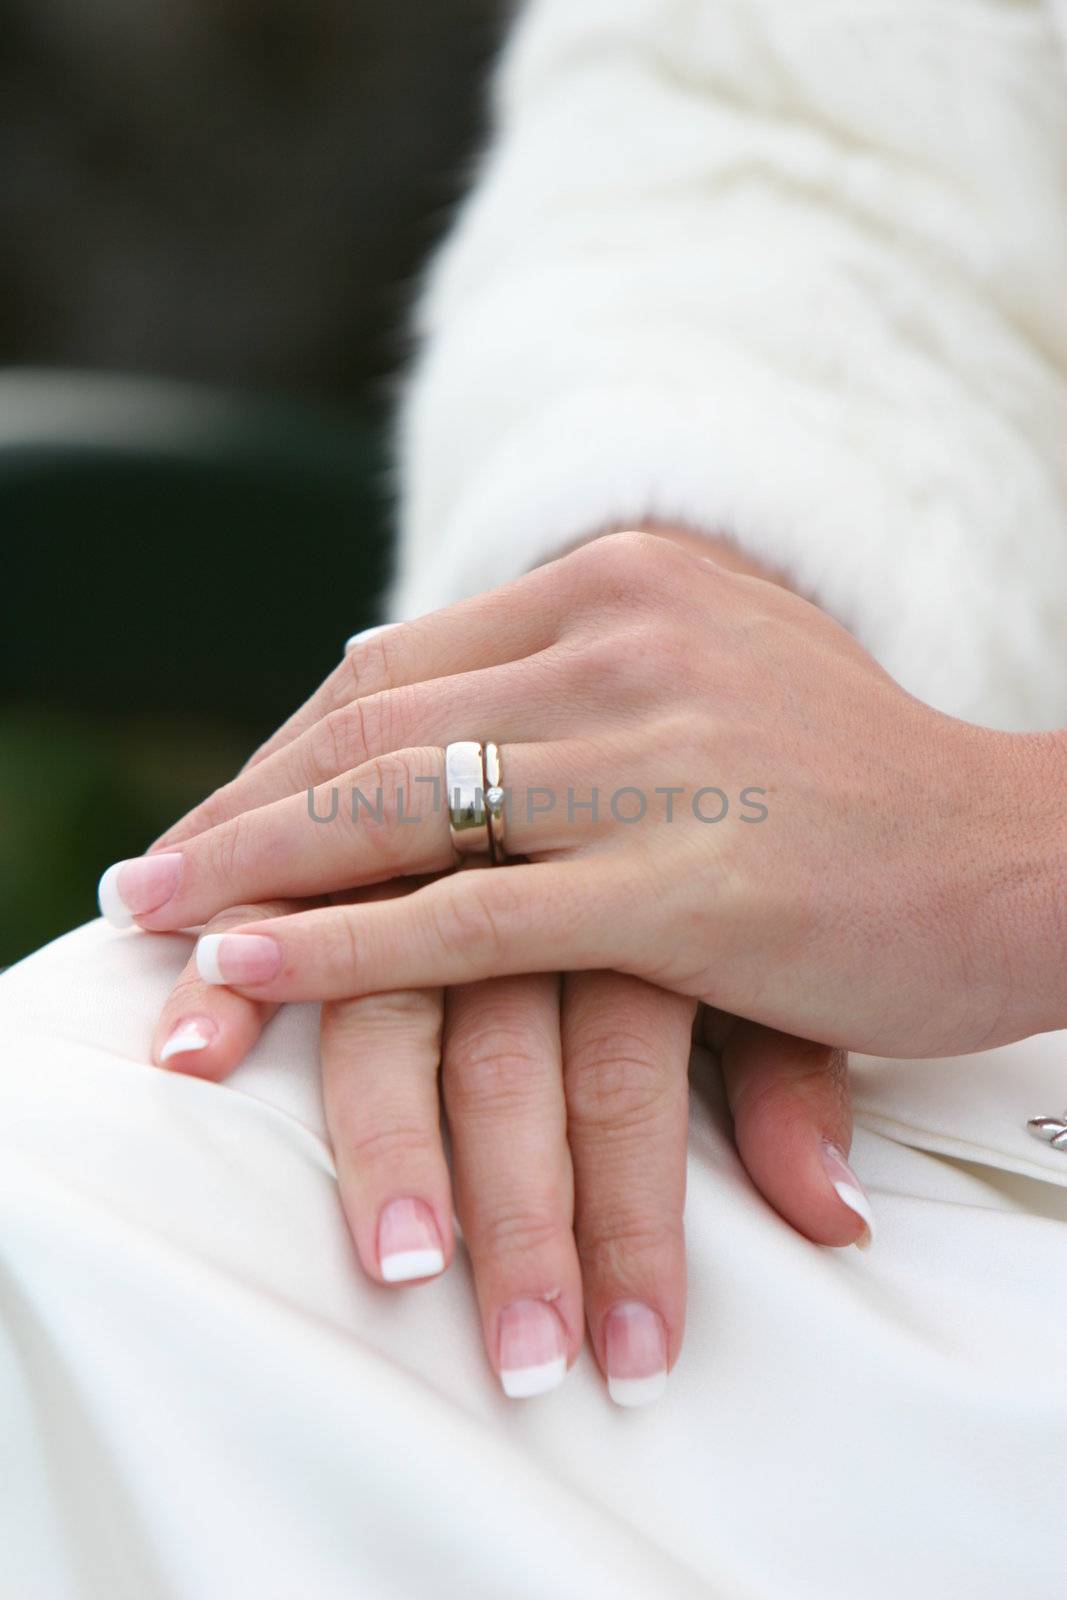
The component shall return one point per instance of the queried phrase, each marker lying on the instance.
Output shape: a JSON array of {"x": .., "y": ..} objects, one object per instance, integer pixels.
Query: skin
[
  {"x": 903, "y": 895},
  {"x": 568, "y": 1109},
  {"x": 567, "y": 1105}
]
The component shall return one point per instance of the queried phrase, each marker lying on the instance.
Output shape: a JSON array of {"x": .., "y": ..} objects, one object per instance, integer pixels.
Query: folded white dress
[
  {"x": 789, "y": 269},
  {"x": 203, "y": 1398}
]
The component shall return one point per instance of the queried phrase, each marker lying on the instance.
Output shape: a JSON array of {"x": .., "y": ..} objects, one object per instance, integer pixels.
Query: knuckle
[
  {"x": 664, "y": 564},
  {"x": 612, "y": 1246},
  {"x": 340, "y": 740},
  {"x": 251, "y": 911},
  {"x": 189, "y": 989},
  {"x": 228, "y": 849},
  {"x": 468, "y": 918},
  {"x": 329, "y": 745},
  {"x": 626, "y": 565},
  {"x": 414, "y": 1014},
  {"x": 357, "y": 733},
  {"x": 386, "y": 1144},
  {"x": 594, "y": 556},
  {"x": 393, "y": 777},
  {"x": 376, "y": 661},
  {"x": 627, "y": 552},
  {"x": 643, "y": 660},
  {"x": 340, "y": 948},
  {"x": 516, "y": 1231},
  {"x": 616, "y": 1083},
  {"x": 377, "y": 723},
  {"x": 634, "y": 574},
  {"x": 400, "y": 1005},
  {"x": 387, "y": 785},
  {"x": 491, "y": 1071},
  {"x": 613, "y": 667}
]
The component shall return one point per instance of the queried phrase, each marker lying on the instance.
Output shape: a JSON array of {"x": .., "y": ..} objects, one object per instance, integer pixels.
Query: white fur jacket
[{"x": 791, "y": 270}]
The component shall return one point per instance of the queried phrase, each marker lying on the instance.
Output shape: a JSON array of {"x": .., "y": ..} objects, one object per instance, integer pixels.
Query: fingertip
[
  {"x": 632, "y": 1393},
  {"x": 201, "y": 1046},
  {"x": 112, "y": 906},
  {"x": 412, "y": 1266},
  {"x": 805, "y": 1185},
  {"x": 532, "y": 1357},
  {"x": 792, "y": 1125},
  {"x": 636, "y": 1356},
  {"x": 210, "y": 1035},
  {"x": 207, "y": 958},
  {"x": 188, "y": 1037},
  {"x": 850, "y": 1193},
  {"x": 410, "y": 1247},
  {"x": 237, "y": 960}
]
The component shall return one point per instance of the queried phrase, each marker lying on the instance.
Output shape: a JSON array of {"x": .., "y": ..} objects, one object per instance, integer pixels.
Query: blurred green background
[{"x": 214, "y": 213}]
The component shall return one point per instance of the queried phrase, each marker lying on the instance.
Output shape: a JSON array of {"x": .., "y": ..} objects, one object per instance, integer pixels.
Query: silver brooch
[{"x": 1053, "y": 1130}]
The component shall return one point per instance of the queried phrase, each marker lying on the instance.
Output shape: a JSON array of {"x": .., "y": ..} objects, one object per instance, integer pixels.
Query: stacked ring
[
  {"x": 495, "y": 802},
  {"x": 474, "y": 785},
  {"x": 465, "y": 797}
]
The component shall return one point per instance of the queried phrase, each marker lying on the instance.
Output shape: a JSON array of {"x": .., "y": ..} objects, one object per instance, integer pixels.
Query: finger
[
  {"x": 387, "y": 819},
  {"x": 205, "y": 1031},
  {"x": 361, "y": 730},
  {"x": 507, "y": 1118},
  {"x": 626, "y": 1063},
  {"x": 491, "y": 629},
  {"x": 380, "y": 1059},
  {"x": 793, "y": 1126},
  {"x": 461, "y": 643},
  {"x": 460, "y": 929}
]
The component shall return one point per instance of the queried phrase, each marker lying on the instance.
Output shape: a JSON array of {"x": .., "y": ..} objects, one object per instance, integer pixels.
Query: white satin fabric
[{"x": 204, "y": 1399}]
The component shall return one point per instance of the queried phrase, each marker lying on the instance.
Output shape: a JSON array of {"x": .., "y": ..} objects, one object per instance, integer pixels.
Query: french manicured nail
[
  {"x": 850, "y": 1190},
  {"x": 635, "y": 1349},
  {"x": 532, "y": 1351},
  {"x": 132, "y": 888},
  {"x": 367, "y": 633},
  {"x": 409, "y": 1245},
  {"x": 241, "y": 958},
  {"x": 188, "y": 1036}
]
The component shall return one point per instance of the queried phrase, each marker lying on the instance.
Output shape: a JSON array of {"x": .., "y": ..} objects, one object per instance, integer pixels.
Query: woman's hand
[
  {"x": 880, "y": 902},
  {"x": 567, "y": 1109}
]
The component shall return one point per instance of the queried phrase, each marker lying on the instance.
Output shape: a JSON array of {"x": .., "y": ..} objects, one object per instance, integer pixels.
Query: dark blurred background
[{"x": 213, "y": 214}]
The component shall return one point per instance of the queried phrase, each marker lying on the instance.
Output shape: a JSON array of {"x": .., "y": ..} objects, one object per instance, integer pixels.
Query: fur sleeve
[{"x": 789, "y": 270}]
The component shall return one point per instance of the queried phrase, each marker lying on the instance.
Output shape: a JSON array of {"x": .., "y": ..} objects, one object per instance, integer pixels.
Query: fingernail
[
  {"x": 850, "y": 1190},
  {"x": 367, "y": 633},
  {"x": 132, "y": 888},
  {"x": 237, "y": 957},
  {"x": 187, "y": 1036},
  {"x": 409, "y": 1245},
  {"x": 635, "y": 1347},
  {"x": 533, "y": 1353}
]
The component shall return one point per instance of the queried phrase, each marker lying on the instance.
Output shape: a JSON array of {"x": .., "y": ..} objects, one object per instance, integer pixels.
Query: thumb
[{"x": 793, "y": 1126}]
